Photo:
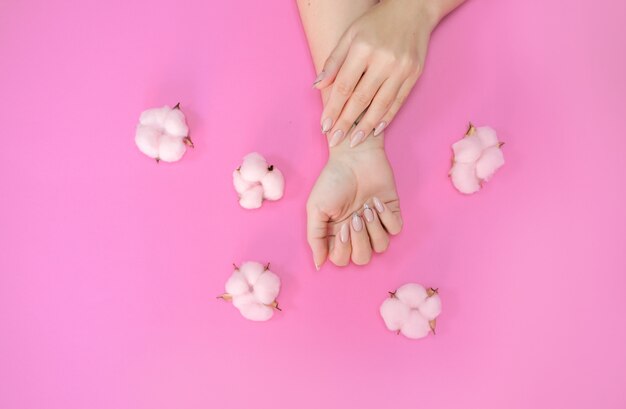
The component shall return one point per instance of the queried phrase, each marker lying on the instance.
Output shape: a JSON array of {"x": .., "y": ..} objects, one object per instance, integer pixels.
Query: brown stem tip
[
  {"x": 187, "y": 141},
  {"x": 270, "y": 168},
  {"x": 177, "y": 106},
  {"x": 432, "y": 291},
  {"x": 470, "y": 129},
  {"x": 267, "y": 266},
  {"x": 225, "y": 297},
  {"x": 433, "y": 324},
  {"x": 236, "y": 266},
  {"x": 392, "y": 294}
]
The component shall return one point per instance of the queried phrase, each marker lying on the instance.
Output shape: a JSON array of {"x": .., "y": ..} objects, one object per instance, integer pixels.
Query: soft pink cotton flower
[
  {"x": 255, "y": 180},
  {"x": 411, "y": 310},
  {"x": 476, "y": 158},
  {"x": 162, "y": 133},
  {"x": 253, "y": 289}
]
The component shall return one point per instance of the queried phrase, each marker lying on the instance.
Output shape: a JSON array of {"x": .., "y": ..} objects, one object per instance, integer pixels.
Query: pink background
[{"x": 110, "y": 263}]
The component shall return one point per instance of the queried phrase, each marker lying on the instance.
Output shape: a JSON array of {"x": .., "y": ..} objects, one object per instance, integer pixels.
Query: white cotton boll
[
  {"x": 253, "y": 167},
  {"x": 237, "y": 284},
  {"x": 394, "y": 313},
  {"x": 175, "y": 124},
  {"x": 147, "y": 140},
  {"x": 467, "y": 150},
  {"x": 240, "y": 184},
  {"x": 252, "y": 270},
  {"x": 431, "y": 308},
  {"x": 267, "y": 287},
  {"x": 416, "y": 326},
  {"x": 411, "y": 294},
  {"x": 273, "y": 184},
  {"x": 487, "y": 136},
  {"x": 256, "y": 312},
  {"x": 154, "y": 117},
  {"x": 464, "y": 178},
  {"x": 161, "y": 134},
  {"x": 171, "y": 149},
  {"x": 491, "y": 159},
  {"x": 243, "y": 299},
  {"x": 252, "y": 198}
]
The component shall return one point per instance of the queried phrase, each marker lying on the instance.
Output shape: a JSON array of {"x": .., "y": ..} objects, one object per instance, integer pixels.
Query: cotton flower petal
[
  {"x": 256, "y": 312},
  {"x": 240, "y": 184},
  {"x": 411, "y": 294},
  {"x": 273, "y": 184},
  {"x": 237, "y": 284},
  {"x": 171, "y": 148},
  {"x": 490, "y": 161},
  {"x": 252, "y": 198},
  {"x": 487, "y": 136},
  {"x": 467, "y": 150},
  {"x": 464, "y": 178},
  {"x": 431, "y": 307},
  {"x": 253, "y": 167},
  {"x": 416, "y": 326},
  {"x": 243, "y": 299},
  {"x": 394, "y": 313},
  {"x": 147, "y": 140},
  {"x": 267, "y": 287},
  {"x": 251, "y": 270}
]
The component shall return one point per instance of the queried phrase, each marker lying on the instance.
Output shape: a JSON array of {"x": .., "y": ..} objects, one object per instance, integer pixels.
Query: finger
[
  {"x": 361, "y": 249},
  {"x": 340, "y": 246},
  {"x": 333, "y": 63},
  {"x": 358, "y": 102},
  {"x": 398, "y": 101},
  {"x": 372, "y": 120},
  {"x": 317, "y": 234},
  {"x": 379, "y": 239},
  {"x": 349, "y": 75},
  {"x": 389, "y": 215}
]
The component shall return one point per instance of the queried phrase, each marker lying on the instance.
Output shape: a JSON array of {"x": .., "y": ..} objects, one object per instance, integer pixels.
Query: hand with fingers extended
[
  {"x": 354, "y": 206},
  {"x": 374, "y": 67}
]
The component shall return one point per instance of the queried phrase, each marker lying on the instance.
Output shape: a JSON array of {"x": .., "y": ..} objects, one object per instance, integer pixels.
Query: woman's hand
[
  {"x": 353, "y": 206},
  {"x": 376, "y": 63}
]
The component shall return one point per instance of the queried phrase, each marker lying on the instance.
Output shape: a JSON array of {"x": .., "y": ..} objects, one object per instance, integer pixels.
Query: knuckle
[
  {"x": 343, "y": 89},
  {"x": 360, "y": 98},
  {"x": 400, "y": 98}
]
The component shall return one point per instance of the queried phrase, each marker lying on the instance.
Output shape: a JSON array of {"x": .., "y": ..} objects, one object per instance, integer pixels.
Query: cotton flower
[
  {"x": 255, "y": 180},
  {"x": 253, "y": 289},
  {"x": 476, "y": 158},
  {"x": 162, "y": 133},
  {"x": 411, "y": 310}
]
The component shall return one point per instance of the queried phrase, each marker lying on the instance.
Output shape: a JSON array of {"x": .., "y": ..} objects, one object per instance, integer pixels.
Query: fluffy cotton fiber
[
  {"x": 162, "y": 133},
  {"x": 476, "y": 158},
  {"x": 411, "y": 310},
  {"x": 253, "y": 289},
  {"x": 255, "y": 180}
]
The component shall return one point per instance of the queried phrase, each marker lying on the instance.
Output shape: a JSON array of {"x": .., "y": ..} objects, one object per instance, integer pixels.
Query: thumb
[
  {"x": 317, "y": 235},
  {"x": 333, "y": 63}
]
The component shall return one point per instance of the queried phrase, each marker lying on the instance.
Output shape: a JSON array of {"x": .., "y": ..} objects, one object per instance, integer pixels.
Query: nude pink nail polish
[
  {"x": 345, "y": 233},
  {"x": 381, "y": 126},
  {"x": 357, "y": 223},
  {"x": 336, "y": 138},
  {"x": 327, "y": 124},
  {"x": 368, "y": 213},
  {"x": 379, "y": 205},
  {"x": 357, "y": 138}
]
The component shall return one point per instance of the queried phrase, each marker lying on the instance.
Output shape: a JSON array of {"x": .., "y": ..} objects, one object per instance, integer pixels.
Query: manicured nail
[
  {"x": 381, "y": 126},
  {"x": 336, "y": 138},
  {"x": 379, "y": 205},
  {"x": 317, "y": 267},
  {"x": 368, "y": 213},
  {"x": 357, "y": 223},
  {"x": 319, "y": 78},
  {"x": 356, "y": 138},
  {"x": 345, "y": 233},
  {"x": 328, "y": 122}
]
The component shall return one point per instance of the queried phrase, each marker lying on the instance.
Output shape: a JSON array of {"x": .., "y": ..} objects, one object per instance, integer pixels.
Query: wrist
[{"x": 430, "y": 12}]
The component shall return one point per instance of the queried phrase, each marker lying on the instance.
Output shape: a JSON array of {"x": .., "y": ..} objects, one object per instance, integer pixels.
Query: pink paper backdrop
[{"x": 110, "y": 263}]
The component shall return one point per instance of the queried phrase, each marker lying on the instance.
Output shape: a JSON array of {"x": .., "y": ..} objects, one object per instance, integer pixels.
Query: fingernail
[
  {"x": 319, "y": 78},
  {"x": 357, "y": 223},
  {"x": 381, "y": 126},
  {"x": 379, "y": 205},
  {"x": 336, "y": 138},
  {"x": 317, "y": 267},
  {"x": 328, "y": 122},
  {"x": 369, "y": 214},
  {"x": 356, "y": 138},
  {"x": 344, "y": 234}
]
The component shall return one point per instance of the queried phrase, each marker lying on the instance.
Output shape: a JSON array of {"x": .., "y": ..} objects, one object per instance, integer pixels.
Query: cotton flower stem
[
  {"x": 187, "y": 141},
  {"x": 501, "y": 144},
  {"x": 433, "y": 324},
  {"x": 470, "y": 129},
  {"x": 432, "y": 291},
  {"x": 177, "y": 106},
  {"x": 236, "y": 267},
  {"x": 270, "y": 168},
  {"x": 275, "y": 305},
  {"x": 157, "y": 160},
  {"x": 392, "y": 294},
  {"x": 267, "y": 266},
  {"x": 225, "y": 297}
]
